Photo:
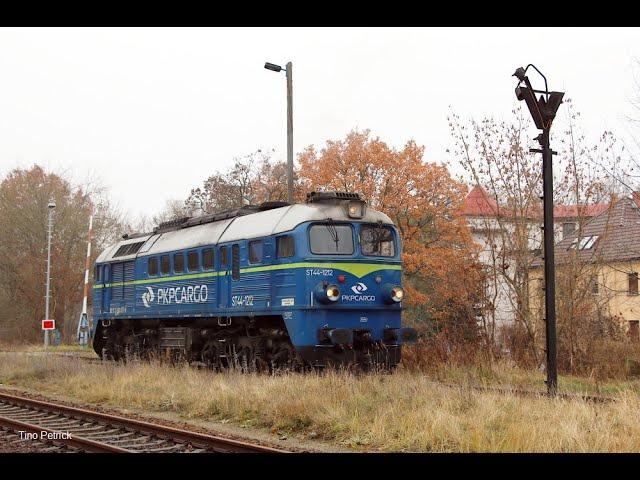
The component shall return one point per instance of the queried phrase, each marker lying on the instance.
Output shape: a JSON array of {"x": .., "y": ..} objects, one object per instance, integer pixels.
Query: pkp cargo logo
[
  {"x": 358, "y": 288},
  {"x": 147, "y": 297}
]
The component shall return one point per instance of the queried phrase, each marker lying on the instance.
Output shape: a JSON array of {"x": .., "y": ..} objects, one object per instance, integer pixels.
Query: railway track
[
  {"x": 78, "y": 429},
  {"x": 538, "y": 393}
]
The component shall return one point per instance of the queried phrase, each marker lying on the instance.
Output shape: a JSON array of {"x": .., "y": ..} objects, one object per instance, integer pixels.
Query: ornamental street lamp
[{"x": 543, "y": 111}]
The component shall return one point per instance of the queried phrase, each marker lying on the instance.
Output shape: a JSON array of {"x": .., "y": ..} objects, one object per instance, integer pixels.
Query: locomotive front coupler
[
  {"x": 400, "y": 335},
  {"x": 336, "y": 336}
]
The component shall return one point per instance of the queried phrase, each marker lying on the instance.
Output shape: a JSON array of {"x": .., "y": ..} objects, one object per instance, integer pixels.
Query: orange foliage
[{"x": 441, "y": 275}]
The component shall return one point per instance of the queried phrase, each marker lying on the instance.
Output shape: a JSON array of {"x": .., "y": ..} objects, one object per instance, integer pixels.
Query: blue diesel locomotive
[{"x": 262, "y": 287}]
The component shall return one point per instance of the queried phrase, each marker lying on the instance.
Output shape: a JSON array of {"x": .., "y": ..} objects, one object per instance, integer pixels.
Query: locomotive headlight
[
  {"x": 355, "y": 209},
  {"x": 333, "y": 293},
  {"x": 326, "y": 293},
  {"x": 392, "y": 293},
  {"x": 397, "y": 294}
]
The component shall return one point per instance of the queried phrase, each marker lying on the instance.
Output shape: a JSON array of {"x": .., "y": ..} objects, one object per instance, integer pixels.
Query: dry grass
[
  {"x": 39, "y": 347},
  {"x": 400, "y": 412},
  {"x": 505, "y": 374}
]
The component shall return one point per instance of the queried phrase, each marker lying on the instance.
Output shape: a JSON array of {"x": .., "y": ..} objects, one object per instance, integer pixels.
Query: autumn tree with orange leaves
[{"x": 441, "y": 275}]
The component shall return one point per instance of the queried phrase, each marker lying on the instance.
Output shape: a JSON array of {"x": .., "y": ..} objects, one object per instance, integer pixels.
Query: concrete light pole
[
  {"x": 289, "y": 72},
  {"x": 51, "y": 207}
]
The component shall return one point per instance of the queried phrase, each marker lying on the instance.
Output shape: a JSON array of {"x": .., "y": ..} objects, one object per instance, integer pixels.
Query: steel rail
[
  {"x": 532, "y": 393},
  {"x": 210, "y": 443},
  {"x": 75, "y": 441}
]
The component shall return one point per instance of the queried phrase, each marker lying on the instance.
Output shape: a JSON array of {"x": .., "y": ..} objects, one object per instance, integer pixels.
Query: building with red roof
[{"x": 495, "y": 227}]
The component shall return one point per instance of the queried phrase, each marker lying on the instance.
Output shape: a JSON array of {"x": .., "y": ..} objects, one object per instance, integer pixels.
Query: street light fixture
[
  {"x": 272, "y": 66},
  {"x": 289, "y": 71},
  {"x": 543, "y": 111}
]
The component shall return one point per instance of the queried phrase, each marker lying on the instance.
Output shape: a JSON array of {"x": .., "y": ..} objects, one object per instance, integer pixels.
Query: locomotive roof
[{"x": 255, "y": 225}]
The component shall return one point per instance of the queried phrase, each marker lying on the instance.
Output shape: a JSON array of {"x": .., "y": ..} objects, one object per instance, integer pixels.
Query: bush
[
  {"x": 611, "y": 359},
  {"x": 430, "y": 354}
]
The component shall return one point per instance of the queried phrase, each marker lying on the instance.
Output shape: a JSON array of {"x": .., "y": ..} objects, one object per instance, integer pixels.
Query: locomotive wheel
[
  {"x": 245, "y": 360},
  {"x": 109, "y": 349},
  {"x": 286, "y": 359},
  {"x": 128, "y": 347},
  {"x": 210, "y": 355}
]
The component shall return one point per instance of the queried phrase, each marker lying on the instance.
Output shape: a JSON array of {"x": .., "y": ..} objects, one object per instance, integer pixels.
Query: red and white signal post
[{"x": 83, "y": 323}]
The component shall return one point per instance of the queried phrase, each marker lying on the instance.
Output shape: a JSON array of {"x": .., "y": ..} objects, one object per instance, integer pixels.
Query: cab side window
[
  {"x": 285, "y": 246},
  {"x": 255, "y": 251}
]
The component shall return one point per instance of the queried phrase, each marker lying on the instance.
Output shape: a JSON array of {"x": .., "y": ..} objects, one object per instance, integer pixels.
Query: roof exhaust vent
[{"x": 331, "y": 197}]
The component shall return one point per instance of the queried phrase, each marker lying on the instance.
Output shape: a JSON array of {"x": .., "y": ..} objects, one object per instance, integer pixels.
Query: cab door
[
  {"x": 106, "y": 290},
  {"x": 224, "y": 270}
]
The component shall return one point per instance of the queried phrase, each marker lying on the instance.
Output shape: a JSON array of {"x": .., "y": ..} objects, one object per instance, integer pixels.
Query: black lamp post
[{"x": 543, "y": 111}]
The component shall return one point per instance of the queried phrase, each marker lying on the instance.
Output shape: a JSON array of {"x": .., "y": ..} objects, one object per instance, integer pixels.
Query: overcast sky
[{"x": 153, "y": 112}]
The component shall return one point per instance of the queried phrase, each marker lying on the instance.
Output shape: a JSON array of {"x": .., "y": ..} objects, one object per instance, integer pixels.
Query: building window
[
  {"x": 634, "y": 330},
  {"x": 568, "y": 228},
  {"x": 633, "y": 283},
  {"x": 178, "y": 263},
  {"x": 255, "y": 251},
  {"x": 207, "y": 258},
  {"x": 193, "y": 262},
  {"x": 584, "y": 243},
  {"x": 285, "y": 246},
  {"x": 153, "y": 266},
  {"x": 164, "y": 265},
  {"x": 235, "y": 261}
]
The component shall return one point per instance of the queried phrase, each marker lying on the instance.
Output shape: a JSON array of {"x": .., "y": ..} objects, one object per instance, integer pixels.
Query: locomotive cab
[{"x": 355, "y": 299}]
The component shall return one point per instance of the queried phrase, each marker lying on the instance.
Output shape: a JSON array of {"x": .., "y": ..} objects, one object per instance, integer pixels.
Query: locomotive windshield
[
  {"x": 331, "y": 239},
  {"x": 377, "y": 240}
]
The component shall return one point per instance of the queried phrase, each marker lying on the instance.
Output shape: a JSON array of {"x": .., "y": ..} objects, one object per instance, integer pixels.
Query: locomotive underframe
[{"x": 246, "y": 343}]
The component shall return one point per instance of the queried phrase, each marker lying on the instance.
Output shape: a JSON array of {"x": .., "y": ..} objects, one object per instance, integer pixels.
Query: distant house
[
  {"x": 483, "y": 218},
  {"x": 493, "y": 228},
  {"x": 609, "y": 244},
  {"x": 567, "y": 218}
]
